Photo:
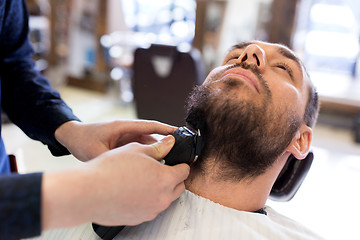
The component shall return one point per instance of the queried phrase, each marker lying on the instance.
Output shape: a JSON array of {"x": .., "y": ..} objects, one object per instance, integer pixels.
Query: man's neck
[{"x": 245, "y": 195}]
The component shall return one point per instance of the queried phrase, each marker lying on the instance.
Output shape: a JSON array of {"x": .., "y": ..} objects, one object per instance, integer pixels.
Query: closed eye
[
  {"x": 231, "y": 58},
  {"x": 286, "y": 68},
  {"x": 282, "y": 67}
]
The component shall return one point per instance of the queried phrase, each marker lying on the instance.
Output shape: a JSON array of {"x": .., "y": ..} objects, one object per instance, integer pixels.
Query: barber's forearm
[{"x": 66, "y": 199}]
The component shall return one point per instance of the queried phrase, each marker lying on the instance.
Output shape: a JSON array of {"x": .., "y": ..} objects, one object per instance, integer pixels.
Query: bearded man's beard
[{"x": 242, "y": 137}]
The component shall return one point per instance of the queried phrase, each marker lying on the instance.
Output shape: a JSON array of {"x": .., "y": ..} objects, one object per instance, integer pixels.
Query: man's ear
[{"x": 300, "y": 144}]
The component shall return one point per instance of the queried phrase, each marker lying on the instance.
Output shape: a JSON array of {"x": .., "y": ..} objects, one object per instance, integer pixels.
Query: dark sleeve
[
  {"x": 20, "y": 205},
  {"x": 26, "y": 95}
]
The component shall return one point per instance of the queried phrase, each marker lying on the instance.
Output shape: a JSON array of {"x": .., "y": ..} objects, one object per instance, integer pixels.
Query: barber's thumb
[{"x": 162, "y": 148}]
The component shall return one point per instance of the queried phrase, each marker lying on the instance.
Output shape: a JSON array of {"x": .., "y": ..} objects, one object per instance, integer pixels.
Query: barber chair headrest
[{"x": 291, "y": 178}]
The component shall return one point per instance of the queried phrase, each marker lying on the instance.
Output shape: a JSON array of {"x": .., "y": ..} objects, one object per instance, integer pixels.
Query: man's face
[
  {"x": 253, "y": 105},
  {"x": 275, "y": 74}
]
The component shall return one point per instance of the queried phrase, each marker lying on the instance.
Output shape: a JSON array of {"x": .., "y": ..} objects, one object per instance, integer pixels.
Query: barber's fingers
[
  {"x": 178, "y": 190},
  {"x": 148, "y": 127},
  {"x": 160, "y": 149},
  {"x": 180, "y": 172},
  {"x": 147, "y": 139},
  {"x": 151, "y": 127},
  {"x": 176, "y": 175}
]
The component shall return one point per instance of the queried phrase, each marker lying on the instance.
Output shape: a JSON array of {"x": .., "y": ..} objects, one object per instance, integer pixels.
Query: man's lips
[{"x": 242, "y": 74}]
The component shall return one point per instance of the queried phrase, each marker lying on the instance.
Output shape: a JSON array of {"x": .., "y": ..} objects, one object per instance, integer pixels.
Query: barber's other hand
[
  {"x": 124, "y": 186},
  {"x": 88, "y": 140}
]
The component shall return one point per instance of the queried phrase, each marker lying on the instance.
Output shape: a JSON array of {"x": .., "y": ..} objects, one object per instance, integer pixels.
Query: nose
[{"x": 253, "y": 54}]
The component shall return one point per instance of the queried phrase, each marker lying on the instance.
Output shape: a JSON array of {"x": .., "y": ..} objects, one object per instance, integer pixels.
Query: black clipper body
[{"x": 187, "y": 148}]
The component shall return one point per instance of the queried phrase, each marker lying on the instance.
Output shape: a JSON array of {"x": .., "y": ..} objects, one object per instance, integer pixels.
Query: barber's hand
[
  {"x": 87, "y": 141},
  {"x": 124, "y": 186},
  {"x": 137, "y": 187}
]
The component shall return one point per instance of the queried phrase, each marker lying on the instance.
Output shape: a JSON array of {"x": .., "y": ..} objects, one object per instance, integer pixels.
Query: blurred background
[{"x": 127, "y": 59}]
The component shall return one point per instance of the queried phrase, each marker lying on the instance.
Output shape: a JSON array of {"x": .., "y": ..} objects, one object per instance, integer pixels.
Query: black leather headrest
[{"x": 291, "y": 178}]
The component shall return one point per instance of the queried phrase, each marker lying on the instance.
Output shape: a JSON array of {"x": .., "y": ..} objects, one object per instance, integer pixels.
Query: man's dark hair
[{"x": 313, "y": 105}]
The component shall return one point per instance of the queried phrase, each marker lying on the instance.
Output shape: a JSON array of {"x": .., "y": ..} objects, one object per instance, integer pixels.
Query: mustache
[{"x": 255, "y": 71}]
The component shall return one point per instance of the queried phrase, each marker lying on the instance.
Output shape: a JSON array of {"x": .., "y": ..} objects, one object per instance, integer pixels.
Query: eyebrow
[
  {"x": 288, "y": 54},
  {"x": 240, "y": 45}
]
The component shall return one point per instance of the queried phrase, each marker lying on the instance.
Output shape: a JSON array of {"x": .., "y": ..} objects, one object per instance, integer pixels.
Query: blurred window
[
  {"x": 332, "y": 37},
  {"x": 169, "y": 19}
]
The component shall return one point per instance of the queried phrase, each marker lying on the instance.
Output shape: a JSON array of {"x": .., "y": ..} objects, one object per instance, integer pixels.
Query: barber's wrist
[{"x": 65, "y": 132}]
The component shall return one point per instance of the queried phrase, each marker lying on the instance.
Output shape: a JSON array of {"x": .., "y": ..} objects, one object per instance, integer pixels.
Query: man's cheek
[{"x": 214, "y": 75}]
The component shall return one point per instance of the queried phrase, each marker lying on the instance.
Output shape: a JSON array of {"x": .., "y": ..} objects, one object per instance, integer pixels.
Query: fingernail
[{"x": 168, "y": 139}]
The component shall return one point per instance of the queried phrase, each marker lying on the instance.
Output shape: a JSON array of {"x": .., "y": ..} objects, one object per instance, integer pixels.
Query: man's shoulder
[{"x": 288, "y": 225}]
